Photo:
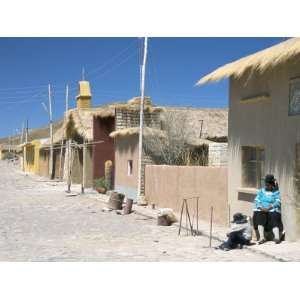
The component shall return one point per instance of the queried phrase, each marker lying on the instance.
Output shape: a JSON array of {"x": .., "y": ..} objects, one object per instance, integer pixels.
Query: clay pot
[
  {"x": 101, "y": 190},
  {"x": 128, "y": 207},
  {"x": 116, "y": 201}
]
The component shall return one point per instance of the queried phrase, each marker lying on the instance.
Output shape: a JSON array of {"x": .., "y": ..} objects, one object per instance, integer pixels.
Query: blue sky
[{"x": 27, "y": 65}]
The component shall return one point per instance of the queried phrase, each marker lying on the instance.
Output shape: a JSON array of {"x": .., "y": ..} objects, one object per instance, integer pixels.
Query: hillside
[{"x": 36, "y": 133}]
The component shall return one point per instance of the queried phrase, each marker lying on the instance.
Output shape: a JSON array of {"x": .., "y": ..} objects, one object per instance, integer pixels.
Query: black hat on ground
[{"x": 239, "y": 218}]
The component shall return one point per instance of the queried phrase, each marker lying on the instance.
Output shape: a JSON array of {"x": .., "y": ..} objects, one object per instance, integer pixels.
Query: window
[
  {"x": 253, "y": 160},
  {"x": 129, "y": 167},
  {"x": 294, "y": 97}
]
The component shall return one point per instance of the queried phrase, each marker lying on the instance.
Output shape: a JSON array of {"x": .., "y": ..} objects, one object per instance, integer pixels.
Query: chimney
[{"x": 84, "y": 96}]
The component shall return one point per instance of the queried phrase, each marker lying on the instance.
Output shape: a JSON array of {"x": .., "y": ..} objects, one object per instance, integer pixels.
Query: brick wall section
[
  {"x": 103, "y": 151},
  {"x": 131, "y": 118},
  {"x": 218, "y": 154}
]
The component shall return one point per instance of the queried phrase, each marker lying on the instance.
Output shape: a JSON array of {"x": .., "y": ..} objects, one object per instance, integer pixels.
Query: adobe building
[
  {"x": 35, "y": 160},
  {"x": 91, "y": 125},
  {"x": 126, "y": 140},
  {"x": 264, "y": 128}
]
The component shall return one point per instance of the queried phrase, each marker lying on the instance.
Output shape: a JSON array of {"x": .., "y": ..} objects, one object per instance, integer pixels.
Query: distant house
[
  {"x": 33, "y": 160},
  {"x": 264, "y": 127},
  {"x": 126, "y": 139},
  {"x": 6, "y": 149},
  {"x": 90, "y": 125},
  {"x": 204, "y": 130}
]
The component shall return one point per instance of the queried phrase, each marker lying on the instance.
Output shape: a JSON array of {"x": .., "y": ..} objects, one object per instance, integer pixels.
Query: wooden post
[
  {"x": 197, "y": 216},
  {"x": 83, "y": 167},
  {"x": 211, "y": 223},
  {"x": 63, "y": 135},
  {"x": 69, "y": 142},
  {"x": 51, "y": 134}
]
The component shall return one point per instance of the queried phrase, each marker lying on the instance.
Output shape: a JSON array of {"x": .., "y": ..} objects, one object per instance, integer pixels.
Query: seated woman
[{"x": 267, "y": 211}]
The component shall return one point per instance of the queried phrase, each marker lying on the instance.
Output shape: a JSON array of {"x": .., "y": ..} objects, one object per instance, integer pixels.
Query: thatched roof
[
  {"x": 147, "y": 131},
  {"x": 134, "y": 105},
  {"x": 203, "y": 123},
  {"x": 4, "y": 147},
  {"x": 259, "y": 61},
  {"x": 80, "y": 121}
]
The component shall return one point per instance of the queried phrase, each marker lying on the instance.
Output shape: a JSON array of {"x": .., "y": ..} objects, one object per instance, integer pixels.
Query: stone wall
[
  {"x": 126, "y": 118},
  {"x": 217, "y": 154}
]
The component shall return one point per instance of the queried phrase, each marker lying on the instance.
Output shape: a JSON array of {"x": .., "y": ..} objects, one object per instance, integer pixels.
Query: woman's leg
[
  {"x": 275, "y": 221},
  {"x": 260, "y": 218}
]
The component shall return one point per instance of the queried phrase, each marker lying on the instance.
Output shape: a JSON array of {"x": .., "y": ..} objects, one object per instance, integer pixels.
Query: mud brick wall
[{"x": 217, "y": 154}]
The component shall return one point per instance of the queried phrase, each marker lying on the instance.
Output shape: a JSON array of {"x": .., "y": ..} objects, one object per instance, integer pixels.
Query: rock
[{"x": 106, "y": 209}]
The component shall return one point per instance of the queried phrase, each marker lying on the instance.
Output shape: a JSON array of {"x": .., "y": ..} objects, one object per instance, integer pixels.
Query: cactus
[{"x": 108, "y": 170}]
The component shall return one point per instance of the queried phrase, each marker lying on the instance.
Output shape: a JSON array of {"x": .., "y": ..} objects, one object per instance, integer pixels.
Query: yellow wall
[{"x": 31, "y": 164}]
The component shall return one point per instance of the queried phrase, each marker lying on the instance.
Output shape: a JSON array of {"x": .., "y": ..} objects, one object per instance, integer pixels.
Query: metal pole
[
  {"x": 189, "y": 218},
  {"x": 51, "y": 134},
  {"x": 180, "y": 222},
  {"x": 140, "y": 170},
  {"x": 211, "y": 222}
]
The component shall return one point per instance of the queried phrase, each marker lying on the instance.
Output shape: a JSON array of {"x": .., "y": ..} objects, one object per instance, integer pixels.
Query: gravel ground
[{"x": 38, "y": 222}]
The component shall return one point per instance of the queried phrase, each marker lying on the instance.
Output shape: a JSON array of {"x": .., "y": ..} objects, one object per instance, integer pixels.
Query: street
[{"x": 38, "y": 222}]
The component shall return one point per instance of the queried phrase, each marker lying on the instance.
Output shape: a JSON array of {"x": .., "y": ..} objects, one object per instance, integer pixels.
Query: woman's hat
[
  {"x": 270, "y": 179},
  {"x": 239, "y": 218}
]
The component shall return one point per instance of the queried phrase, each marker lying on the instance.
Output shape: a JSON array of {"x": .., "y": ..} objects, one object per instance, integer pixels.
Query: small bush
[{"x": 100, "y": 183}]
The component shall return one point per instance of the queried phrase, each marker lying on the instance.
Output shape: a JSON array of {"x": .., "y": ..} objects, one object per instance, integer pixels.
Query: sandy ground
[{"x": 38, "y": 222}]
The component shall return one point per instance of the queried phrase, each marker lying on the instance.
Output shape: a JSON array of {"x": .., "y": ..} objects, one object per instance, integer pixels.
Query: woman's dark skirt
[{"x": 268, "y": 220}]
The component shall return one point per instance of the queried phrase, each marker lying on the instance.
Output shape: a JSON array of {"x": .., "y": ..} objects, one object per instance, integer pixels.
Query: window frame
[
  {"x": 129, "y": 167},
  {"x": 259, "y": 166}
]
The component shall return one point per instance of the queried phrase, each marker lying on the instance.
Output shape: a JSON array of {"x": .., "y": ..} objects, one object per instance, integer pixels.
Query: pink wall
[{"x": 166, "y": 186}]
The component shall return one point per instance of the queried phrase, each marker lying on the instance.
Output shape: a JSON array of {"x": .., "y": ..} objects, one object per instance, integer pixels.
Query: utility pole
[
  {"x": 63, "y": 136},
  {"x": 68, "y": 146},
  {"x": 141, "y": 198},
  {"x": 51, "y": 134},
  {"x": 24, "y": 148},
  {"x": 26, "y": 132},
  {"x": 22, "y": 134}
]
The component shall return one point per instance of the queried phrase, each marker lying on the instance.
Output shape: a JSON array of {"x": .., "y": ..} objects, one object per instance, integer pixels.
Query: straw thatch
[
  {"x": 147, "y": 131},
  {"x": 259, "y": 62},
  {"x": 4, "y": 147},
  {"x": 80, "y": 122},
  {"x": 134, "y": 105},
  {"x": 205, "y": 123}
]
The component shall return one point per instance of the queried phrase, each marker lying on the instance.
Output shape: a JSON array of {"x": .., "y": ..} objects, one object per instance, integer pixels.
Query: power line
[
  {"x": 116, "y": 66},
  {"x": 111, "y": 59}
]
